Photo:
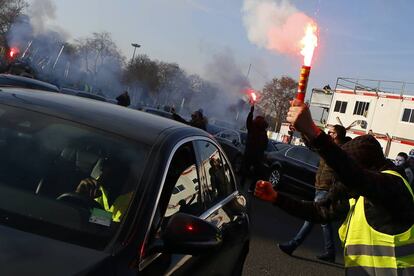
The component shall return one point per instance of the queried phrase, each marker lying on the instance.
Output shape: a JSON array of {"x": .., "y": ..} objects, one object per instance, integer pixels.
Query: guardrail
[{"x": 379, "y": 86}]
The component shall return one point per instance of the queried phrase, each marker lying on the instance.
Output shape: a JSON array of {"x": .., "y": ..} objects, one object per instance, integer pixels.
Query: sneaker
[
  {"x": 327, "y": 257},
  {"x": 287, "y": 247}
]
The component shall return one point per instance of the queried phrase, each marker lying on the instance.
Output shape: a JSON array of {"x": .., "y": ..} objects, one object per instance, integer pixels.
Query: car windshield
[{"x": 47, "y": 166}]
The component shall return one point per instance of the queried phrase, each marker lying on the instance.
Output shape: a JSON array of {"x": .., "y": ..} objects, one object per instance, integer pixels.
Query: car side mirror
[{"x": 188, "y": 234}]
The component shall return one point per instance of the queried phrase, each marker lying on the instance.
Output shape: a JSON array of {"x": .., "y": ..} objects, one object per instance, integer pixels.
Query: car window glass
[
  {"x": 182, "y": 176},
  {"x": 71, "y": 178},
  {"x": 218, "y": 182},
  {"x": 281, "y": 146},
  {"x": 292, "y": 153},
  {"x": 303, "y": 155}
]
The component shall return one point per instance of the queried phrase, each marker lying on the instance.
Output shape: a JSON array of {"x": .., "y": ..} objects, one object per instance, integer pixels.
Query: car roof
[
  {"x": 19, "y": 81},
  {"x": 130, "y": 123}
]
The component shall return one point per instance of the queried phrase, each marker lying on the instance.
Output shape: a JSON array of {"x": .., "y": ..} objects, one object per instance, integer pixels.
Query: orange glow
[
  {"x": 13, "y": 52},
  {"x": 309, "y": 42},
  {"x": 254, "y": 97}
]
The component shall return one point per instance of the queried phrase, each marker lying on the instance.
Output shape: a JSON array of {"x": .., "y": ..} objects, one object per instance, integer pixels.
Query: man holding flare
[{"x": 375, "y": 202}]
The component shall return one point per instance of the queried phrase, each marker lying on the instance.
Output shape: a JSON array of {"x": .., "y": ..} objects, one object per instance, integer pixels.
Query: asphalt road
[{"x": 270, "y": 225}]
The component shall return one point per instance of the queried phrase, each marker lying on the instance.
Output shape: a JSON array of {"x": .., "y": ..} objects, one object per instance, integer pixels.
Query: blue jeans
[{"x": 307, "y": 227}]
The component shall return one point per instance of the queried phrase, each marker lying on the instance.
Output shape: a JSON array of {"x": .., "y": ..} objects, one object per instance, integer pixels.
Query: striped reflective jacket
[{"x": 369, "y": 252}]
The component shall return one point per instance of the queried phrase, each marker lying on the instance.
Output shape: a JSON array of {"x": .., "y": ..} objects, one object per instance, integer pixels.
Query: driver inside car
[{"x": 105, "y": 185}]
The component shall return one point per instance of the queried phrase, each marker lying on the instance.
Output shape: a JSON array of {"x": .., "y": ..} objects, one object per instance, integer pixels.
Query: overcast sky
[{"x": 363, "y": 39}]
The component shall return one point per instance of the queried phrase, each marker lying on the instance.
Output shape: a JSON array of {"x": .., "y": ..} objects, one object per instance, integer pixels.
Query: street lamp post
[{"x": 135, "y": 45}]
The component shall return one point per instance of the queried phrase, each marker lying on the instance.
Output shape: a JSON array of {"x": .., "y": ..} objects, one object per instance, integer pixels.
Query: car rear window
[{"x": 44, "y": 159}]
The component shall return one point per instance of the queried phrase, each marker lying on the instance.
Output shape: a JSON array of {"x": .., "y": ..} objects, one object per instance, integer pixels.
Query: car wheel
[
  {"x": 275, "y": 177},
  {"x": 238, "y": 163}
]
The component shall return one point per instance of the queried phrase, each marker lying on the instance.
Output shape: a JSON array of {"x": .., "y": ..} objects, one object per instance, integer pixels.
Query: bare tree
[
  {"x": 97, "y": 51},
  {"x": 276, "y": 96},
  {"x": 144, "y": 71},
  {"x": 9, "y": 12}
]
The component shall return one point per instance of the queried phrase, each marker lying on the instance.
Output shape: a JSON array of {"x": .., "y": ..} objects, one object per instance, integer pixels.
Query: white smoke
[
  {"x": 41, "y": 13},
  {"x": 275, "y": 25}
]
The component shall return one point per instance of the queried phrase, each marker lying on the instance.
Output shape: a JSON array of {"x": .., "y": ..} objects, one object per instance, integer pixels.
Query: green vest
[
  {"x": 118, "y": 208},
  {"x": 369, "y": 252}
]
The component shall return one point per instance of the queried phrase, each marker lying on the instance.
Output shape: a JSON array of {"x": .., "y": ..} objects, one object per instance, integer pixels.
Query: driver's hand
[{"x": 89, "y": 187}]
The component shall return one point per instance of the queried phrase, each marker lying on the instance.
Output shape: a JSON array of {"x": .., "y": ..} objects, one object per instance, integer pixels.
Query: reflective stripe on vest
[
  {"x": 369, "y": 252},
  {"x": 118, "y": 208}
]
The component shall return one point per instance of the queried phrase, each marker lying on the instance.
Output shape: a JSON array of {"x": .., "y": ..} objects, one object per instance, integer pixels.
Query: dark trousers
[{"x": 252, "y": 166}]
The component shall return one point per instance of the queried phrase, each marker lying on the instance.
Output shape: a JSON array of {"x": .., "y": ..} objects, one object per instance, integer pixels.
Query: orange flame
[
  {"x": 254, "y": 97},
  {"x": 309, "y": 42}
]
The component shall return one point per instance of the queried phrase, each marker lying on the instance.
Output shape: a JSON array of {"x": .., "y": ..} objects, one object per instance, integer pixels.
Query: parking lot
[{"x": 270, "y": 225}]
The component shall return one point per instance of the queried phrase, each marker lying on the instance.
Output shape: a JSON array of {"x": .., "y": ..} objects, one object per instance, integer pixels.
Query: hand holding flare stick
[{"x": 309, "y": 42}]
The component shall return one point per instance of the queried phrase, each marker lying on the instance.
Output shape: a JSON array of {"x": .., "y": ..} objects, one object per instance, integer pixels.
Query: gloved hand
[{"x": 264, "y": 190}]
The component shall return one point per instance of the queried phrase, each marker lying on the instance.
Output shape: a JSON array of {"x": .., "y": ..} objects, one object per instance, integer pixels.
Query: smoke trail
[
  {"x": 41, "y": 12},
  {"x": 275, "y": 25}
]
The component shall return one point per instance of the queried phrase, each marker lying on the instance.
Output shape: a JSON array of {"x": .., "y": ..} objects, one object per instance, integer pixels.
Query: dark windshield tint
[{"x": 43, "y": 162}]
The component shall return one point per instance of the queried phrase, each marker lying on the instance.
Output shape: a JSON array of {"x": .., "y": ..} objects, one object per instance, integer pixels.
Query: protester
[
  {"x": 324, "y": 179},
  {"x": 104, "y": 186},
  {"x": 124, "y": 99},
  {"x": 378, "y": 231},
  {"x": 256, "y": 144},
  {"x": 402, "y": 161},
  {"x": 197, "y": 119}
]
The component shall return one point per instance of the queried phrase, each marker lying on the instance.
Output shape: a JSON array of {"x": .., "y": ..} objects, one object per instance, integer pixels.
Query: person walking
[
  {"x": 374, "y": 201},
  {"x": 323, "y": 181},
  {"x": 256, "y": 144}
]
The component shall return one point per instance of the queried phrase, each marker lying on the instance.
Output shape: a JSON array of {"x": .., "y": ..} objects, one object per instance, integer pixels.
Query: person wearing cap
[{"x": 374, "y": 201}]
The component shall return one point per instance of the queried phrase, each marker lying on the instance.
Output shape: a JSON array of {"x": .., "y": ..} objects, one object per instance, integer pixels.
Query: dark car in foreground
[
  {"x": 7, "y": 80},
  {"x": 91, "y": 188},
  {"x": 292, "y": 169},
  {"x": 84, "y": 94}
]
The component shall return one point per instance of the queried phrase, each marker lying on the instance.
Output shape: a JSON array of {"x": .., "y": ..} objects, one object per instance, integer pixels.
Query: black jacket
[
  {"x": 256, "y": 142},
  {"x": 389, "y": 206}
]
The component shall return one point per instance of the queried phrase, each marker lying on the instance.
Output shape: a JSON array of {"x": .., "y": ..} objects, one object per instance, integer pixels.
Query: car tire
[
  {"x": 275, "y": 177},
  {"x": 238, "y": 164}
]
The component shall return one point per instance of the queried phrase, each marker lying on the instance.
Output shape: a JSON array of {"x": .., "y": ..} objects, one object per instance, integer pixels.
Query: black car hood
[{"x": 23, "y": 253}]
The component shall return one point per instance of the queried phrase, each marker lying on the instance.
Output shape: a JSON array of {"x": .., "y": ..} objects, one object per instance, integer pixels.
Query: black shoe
[
  {"x": 287, "y": 247},
  {"x": 327, "y": 257}
]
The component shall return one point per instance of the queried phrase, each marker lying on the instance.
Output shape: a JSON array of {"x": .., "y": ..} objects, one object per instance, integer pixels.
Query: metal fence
[{"x": 379, "y": 86}]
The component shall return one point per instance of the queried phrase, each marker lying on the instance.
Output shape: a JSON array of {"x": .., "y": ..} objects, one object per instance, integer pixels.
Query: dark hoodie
[
  {"x": 388, "y": 204},
  {"x": 256, "y": 142}
]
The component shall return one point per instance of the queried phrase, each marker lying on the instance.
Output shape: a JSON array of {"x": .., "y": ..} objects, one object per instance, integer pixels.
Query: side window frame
[{"x": 203, "y": 175}]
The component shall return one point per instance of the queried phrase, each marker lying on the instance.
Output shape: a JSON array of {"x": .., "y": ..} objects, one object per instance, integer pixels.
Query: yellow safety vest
[
  {"x": 369, "y": 252},
  {"x": 118, "y": 208}
]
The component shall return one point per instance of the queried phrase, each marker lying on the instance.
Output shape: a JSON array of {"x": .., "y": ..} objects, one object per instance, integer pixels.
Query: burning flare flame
[
  {"x": 309, "y": 42},
  {"x": 253, "y": 96}
]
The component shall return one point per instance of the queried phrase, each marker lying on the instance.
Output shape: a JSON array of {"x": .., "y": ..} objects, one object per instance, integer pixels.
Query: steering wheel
[{"x": 79, "y": 200}]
